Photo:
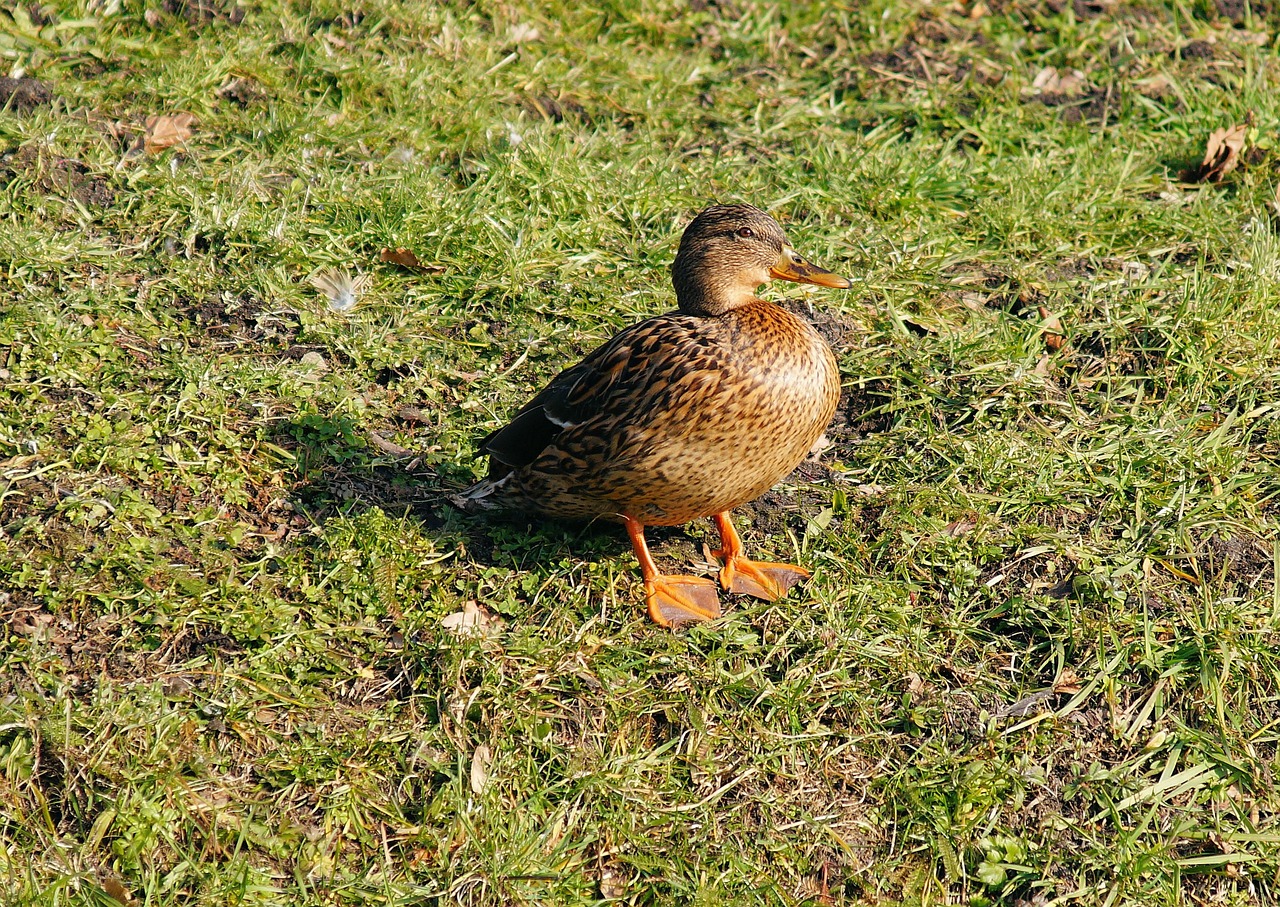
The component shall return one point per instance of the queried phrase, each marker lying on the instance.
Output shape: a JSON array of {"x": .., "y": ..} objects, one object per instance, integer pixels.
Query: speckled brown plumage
[{"x": 684, "y": 415}]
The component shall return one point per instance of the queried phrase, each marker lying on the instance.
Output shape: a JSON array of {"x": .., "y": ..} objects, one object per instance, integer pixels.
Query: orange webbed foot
[
  {"x": 672, "y": 600},
  {"x": 747, "y": 577},
  {"x": 759, "y": 578},
  {"x": 676, "y": 600}
]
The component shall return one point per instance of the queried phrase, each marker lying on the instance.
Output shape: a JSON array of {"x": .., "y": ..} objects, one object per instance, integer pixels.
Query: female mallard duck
[{"x": 684, "y": 415}]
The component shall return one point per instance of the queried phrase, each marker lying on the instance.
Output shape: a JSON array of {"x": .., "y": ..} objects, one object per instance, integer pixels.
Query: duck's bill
[{"x": 791, "y": 266}]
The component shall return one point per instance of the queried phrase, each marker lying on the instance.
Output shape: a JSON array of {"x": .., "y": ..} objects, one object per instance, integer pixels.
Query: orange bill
[{"x": 791, "y": 266}]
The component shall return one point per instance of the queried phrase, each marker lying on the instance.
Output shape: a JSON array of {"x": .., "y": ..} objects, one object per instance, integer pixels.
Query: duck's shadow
[
  {"x": 337, "y": 474},
  {"x": 525, "y": 541}
]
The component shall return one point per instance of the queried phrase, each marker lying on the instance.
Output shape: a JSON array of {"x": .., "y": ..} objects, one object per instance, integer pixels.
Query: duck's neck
[{"x": 702, "y": 291}]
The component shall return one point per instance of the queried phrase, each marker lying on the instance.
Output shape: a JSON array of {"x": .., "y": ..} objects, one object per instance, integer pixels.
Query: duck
[{"x": 682, "y": 416}]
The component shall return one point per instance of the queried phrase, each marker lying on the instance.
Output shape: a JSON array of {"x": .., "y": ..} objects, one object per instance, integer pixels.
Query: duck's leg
[
  {"x": 748, "y": 577},
  {"x": 672, "y": 600}
]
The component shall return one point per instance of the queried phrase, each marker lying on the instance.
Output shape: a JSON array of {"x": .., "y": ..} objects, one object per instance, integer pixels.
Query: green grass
[{"x": 1039, "y": 660}]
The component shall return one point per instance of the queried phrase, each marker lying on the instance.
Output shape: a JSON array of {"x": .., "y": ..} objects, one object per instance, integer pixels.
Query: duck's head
[{"x": 727, "y": 251}]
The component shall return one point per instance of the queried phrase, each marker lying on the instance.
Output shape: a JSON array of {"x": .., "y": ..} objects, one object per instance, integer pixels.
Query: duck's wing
[{"x": 620, "y": 383}]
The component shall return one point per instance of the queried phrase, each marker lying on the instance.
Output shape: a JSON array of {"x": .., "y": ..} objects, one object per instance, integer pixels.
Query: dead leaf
[
  {"x": 957, "y": 528},
  {"x": 390, "y": 447},
  {"x": 915, "y": 685},
  {"x": 38, "y": 626},
  {"x": 1243, "y": 36},
  {"x": 1157, "y": 86},
  {"x": 613, "y": 882},
  {"x": 1222, "y": 154},
  {"x": 1068, "y": 682},
  {"x": 240, "y": 91},
  {"x": 1135, "y": 271},
  {"x": 115, "y": 890},
  {"x": 405, "y": 258},
  {"x": 412, "y": 414},
  {"x": 524, "y": 33},
  {"x": 313, "y": 360},
  {"x": 168, "y": 130},
  {"x": 1050, "y": 81},
  {"x": 821, "y": 446},
  {"x": 470, "y": 620},
  {"x": 1051, "y": 329},
  {"x": 480, "y": 761}
]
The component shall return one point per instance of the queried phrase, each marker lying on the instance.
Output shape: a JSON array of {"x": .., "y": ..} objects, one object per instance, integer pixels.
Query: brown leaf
[
  {"x": 388, "y": 446},
  {"x": 1221, "y": 156},
  {"x": 480, "y": 760},
  {"x": 115, "y": 890},
  {"x": 412, "y": 414},
  {"x": 405, "y": 258},
  {"x": 1068, "y": 682},
  {"x": 1157, "y": 86},
  {"x": 1052, "y": 329},
  {"x": 957, "y": 528},
  {"x": 168, "y": 130},
  {"x": 1050, "y": 81},
  {"x": 471, "y": 620},
  {"x": 613, "y": 881},
  {"x": 821, "y": 446}
]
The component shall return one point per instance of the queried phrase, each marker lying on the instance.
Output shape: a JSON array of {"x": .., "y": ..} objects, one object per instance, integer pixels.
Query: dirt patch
[
  {"x": 554, "y": 108},
  {"x": 203, "y": 12},
  {"x": 1142, "y": 352},
  {"x": 191, "y": 642},
  {"x": 937, "y": 51},
  {"x": 778, "y": 510},
  {"x": 25, "y": 94},
  {"x": 241, "y": 91},
  {"x": 1041, "y": 574},
  {"x": 916, "y": 61},
  {"x": 1241, "y": 562},
  {"x": 907, "y": 59},
  {"x": 55, "y": 176},
  {"x": 27, "y": 498},
  {"x": 725, "y": 9},
  {"x": 834, "y": 327},
  {"x": 862, "y": 412},
  {"x": 807, "y": 492},
  {"x": 82, "y": 649},
  {"x": 1082, "y": 9},
  {"x": 388, "y": 488},
  {"x": 997, "y": 289},
  {"x": 1239, "y": 12},
  {"x": 1195, "y": 50},
  {"x": 241, "y": 319},
  {"x": 1092, "y": 106},
  {"x": 1069, "y": 269}
]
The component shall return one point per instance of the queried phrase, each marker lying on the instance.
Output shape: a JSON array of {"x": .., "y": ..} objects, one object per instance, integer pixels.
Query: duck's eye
[{"x": 746, "y": 232}]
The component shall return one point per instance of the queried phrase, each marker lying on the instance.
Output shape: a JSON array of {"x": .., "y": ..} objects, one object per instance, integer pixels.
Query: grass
[{"x": 1038, "y": 660}]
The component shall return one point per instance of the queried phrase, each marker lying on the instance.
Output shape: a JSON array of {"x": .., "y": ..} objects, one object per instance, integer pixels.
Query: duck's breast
[{"x": 730, "y": 430}]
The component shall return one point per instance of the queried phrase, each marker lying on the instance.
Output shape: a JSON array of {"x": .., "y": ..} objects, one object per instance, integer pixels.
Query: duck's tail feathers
[{"x": 480, "y": 497}]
